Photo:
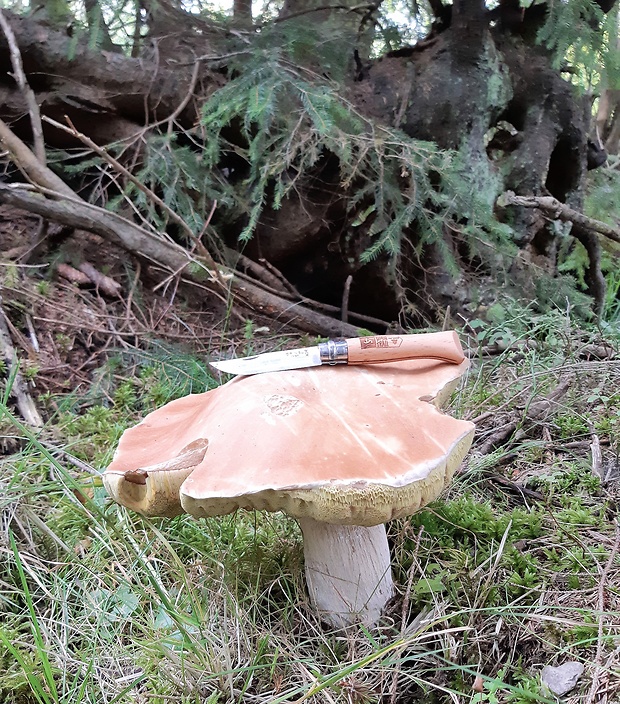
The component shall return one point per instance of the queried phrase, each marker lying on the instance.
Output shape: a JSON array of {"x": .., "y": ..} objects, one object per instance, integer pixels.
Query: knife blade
[{"x": 444, "y": 346}]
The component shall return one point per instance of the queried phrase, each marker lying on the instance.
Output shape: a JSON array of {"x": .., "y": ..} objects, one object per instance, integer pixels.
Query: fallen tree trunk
[
  {"x": 174, "y": 259},
  {"x": 107, "y": 95},
  {"x": 528, "y": 134}
]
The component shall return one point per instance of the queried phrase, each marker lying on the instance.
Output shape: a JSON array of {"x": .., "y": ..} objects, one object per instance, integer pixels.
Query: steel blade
[{"x": 271, "y": 362}]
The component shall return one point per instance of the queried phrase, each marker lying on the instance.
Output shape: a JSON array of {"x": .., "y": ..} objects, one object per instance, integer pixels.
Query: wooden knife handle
[{"x": 445, "y": 346}]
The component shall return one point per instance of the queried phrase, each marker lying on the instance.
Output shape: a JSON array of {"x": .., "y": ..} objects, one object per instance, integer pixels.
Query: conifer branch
[
  {"x": 119, "y": 168},
  {"x": 364, "y": 8}
]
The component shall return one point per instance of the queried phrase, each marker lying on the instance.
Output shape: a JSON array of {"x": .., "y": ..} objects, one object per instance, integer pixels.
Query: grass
[{"x": 516, "y": 567}]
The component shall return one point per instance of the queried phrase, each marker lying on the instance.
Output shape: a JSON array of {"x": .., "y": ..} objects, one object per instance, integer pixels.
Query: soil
[{"x": 64, "y": 331}]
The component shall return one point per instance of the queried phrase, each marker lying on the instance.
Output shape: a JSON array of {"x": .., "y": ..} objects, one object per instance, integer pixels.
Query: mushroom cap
[{"x": 356, "y": 445}]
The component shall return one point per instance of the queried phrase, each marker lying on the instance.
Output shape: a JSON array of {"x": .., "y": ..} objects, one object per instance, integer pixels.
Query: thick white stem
[{"x": 348, "y": 571}]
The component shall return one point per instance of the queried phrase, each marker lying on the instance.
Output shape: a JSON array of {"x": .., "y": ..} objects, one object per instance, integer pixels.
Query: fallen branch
[
  {"x": 18, "y": 389},
  {"x": 559, "y": 211},
  {"x": 72, "y": 274},
  {"x": 269, "y": 278},
  {"x": 74, "y": 212},
  {"x": 104, "y": 283},
  {"x": 285, "y": 284},
  {"x": 28, "y": 163},
  {"x": 66, "y": 207},
  {"x": 260, "y": 272},
  {"x": 535, "y": 412},
  {"x": 290, "y": 312},
  {"x": 171, "y": 257},
  {"x": 86, "y": 274}
]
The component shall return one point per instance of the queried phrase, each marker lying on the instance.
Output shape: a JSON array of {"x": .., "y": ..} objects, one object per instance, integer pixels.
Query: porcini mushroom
[{"x": 343, "y": 450}]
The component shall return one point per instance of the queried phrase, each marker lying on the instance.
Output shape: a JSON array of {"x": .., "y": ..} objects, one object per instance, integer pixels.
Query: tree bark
[
  {"x": 608, "y": 120},
  {"x": 72, "y": 79},
  {"x": 474, "y": 87},
  {"x": 469, "y": 27},
  {"x": 242, "y": 13},
  {"x": 97, "y": 27}
]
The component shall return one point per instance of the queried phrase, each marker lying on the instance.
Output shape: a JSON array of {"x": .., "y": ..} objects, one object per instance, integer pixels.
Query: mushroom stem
[{"x": 348, "y": 571}]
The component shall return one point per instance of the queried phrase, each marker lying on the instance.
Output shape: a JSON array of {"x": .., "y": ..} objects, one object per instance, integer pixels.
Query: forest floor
[{"x": 515, "y": 568}]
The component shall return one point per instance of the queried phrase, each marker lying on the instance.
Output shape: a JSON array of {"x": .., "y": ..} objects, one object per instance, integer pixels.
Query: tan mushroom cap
[{"x": 344, "y": 445}]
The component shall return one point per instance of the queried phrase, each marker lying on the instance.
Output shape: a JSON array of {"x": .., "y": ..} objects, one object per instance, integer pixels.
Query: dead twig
[
  {"x": 119, "y": 168},
  {"x": 132, "y": 290},
  {"x": 259, "y": 271},
  {"x": 26, "y": 90},
  {"x": 344, "y": 312},
  {"x": 286, "y": 284},
  {"x": 19, "y": 390},
  {"x": 32, "y": 333},
  {"x": 602, "y": 586},
  {"x": 72, "y": 274},
  {"x": 535, "y": 411},
  {"x": 104, "y": 283},
  {"x": 560, "y": 211},
  {"x": 597, "y": 456}
]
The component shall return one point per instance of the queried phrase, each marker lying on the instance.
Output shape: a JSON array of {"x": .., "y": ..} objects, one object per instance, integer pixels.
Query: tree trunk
[
  {"x": 608, "y": 120},
  {"x": 242, "y": 13},
  {"x": 476, "y": 86},
  {"x": 97, "y": 27}
]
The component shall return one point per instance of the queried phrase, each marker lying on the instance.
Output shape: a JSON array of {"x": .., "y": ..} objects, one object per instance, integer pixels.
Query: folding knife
[{"x": 444, "y": 346}]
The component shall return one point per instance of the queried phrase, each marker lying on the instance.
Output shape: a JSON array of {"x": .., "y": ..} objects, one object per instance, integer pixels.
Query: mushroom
[{"x": 343, "y": 450}]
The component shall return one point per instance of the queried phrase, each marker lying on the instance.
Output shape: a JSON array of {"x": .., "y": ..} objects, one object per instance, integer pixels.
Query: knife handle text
[{"x": 444, "y": 346}]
